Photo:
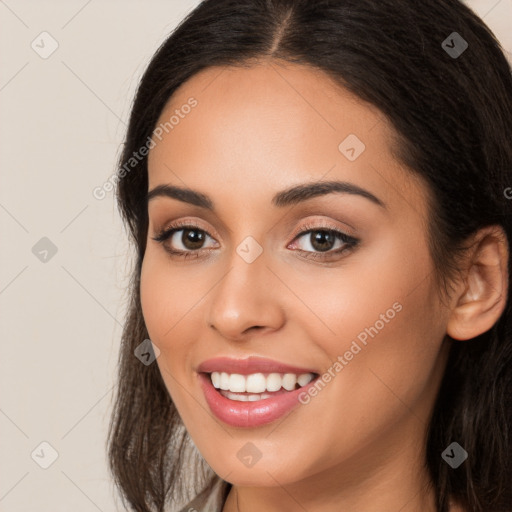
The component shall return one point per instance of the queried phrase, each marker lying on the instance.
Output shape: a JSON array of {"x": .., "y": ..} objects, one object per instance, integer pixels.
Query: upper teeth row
[{"x": 258, "y": 382}]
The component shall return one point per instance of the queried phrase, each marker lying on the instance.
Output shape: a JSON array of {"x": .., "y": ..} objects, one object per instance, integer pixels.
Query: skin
[{"x": 360, "y": 443}]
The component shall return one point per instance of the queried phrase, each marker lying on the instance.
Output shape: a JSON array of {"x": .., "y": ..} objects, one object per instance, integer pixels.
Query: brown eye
[
  {"x": 192, "y": 239},
  {"x": 324, "y": 240},
  {"x": 184, "y": 240}
]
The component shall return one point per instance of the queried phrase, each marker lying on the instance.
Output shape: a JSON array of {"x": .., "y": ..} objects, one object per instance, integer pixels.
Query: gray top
[{"x": 212, "y": 499}]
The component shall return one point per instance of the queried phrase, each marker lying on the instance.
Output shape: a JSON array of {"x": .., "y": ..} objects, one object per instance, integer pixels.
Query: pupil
[
  {"x": 322, "y": 240},
  {"x": 192, "y": 238}
]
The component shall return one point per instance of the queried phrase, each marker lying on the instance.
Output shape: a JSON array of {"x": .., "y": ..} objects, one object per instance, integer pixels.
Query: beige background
[{"x": 62, "y": 121}]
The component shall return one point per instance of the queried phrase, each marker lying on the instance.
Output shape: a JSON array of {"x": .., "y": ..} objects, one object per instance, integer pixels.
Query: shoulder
[{"x": 211, "y": 499}]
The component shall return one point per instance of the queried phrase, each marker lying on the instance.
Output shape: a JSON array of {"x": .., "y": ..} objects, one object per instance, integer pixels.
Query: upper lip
[{"x": 249, "y": 365}]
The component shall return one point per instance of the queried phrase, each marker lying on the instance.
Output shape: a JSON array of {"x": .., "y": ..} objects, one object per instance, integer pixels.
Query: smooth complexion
[{"x": 359, "y": 444}]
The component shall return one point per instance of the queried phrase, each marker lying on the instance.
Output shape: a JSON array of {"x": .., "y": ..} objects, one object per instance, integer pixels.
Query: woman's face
[{"x": 334, "y": 284}]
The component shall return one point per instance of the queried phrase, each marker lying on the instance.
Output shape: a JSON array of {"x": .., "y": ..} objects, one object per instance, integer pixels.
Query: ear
[{"x": 483, "y": 292}]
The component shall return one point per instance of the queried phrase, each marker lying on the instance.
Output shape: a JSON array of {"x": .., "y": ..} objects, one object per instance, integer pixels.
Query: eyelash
[{"x": 350, "y": 242}]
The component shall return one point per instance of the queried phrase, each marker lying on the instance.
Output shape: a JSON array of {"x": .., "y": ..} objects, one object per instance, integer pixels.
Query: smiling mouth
[{"x": 257, "y": 386}]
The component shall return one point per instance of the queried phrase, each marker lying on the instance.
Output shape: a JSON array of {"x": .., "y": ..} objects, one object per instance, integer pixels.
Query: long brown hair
[{"x": 453, "y": 117}]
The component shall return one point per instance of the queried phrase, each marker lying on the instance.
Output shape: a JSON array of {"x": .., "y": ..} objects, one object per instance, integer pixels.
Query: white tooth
[
  {"x": 265, "y": 395},
  {"x": 215, "y": 379},
  {"x": 274, "y": 382},
  {"x": 289, "y": 381},
  {"x": 224, "y": 381},
  {"x": 253, "y": 398},
  {"x": 256, "y": 383},
  {"x": 304, "y": 379},
  {"x": 237, "y": 383},
  {"x": 238, "y": 398}
]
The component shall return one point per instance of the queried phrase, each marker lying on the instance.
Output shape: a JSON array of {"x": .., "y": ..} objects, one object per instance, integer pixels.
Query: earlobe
[{"x": 484, "y": 293}]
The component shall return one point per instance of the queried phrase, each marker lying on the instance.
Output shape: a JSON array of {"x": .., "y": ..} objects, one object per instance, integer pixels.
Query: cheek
[
  {"x": 388, "y": 337},
  {"x": 166, "y": 296},
  {"x": 366, "y": 292},
  {"x": 155, "y": 296},
  {"x": 168, "y": 310},
  {"x": 167, "y": 307}
]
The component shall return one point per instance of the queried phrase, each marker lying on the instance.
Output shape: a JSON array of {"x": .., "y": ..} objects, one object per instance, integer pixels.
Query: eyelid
[
  {"x": 172, "y": 227},
  {"x": 300, "y": 230},
  {"x": 184, "y": 223},
  {"x": 320, "y": 224}
]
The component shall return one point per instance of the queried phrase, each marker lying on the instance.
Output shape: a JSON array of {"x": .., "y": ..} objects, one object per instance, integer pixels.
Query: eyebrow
[{"x": 291, "y": 196}]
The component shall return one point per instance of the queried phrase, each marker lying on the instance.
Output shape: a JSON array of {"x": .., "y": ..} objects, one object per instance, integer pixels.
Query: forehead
[{"x": 269, "y": 126}]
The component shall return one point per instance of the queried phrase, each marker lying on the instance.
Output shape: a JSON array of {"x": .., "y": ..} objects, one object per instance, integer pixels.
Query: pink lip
[
  {"x": 249, "y": 414},
  {"x": 249, "y": 365}
]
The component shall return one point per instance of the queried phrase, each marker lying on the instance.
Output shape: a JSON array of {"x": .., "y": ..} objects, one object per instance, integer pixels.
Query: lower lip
[{"x": 250, "y": 414}]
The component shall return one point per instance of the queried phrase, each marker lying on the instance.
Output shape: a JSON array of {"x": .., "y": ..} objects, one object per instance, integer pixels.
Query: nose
[{"x": 246, "y": 300}]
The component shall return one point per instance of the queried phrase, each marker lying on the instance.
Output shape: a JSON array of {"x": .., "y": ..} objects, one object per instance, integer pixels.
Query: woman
[{"x": 317, "y": 193}]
